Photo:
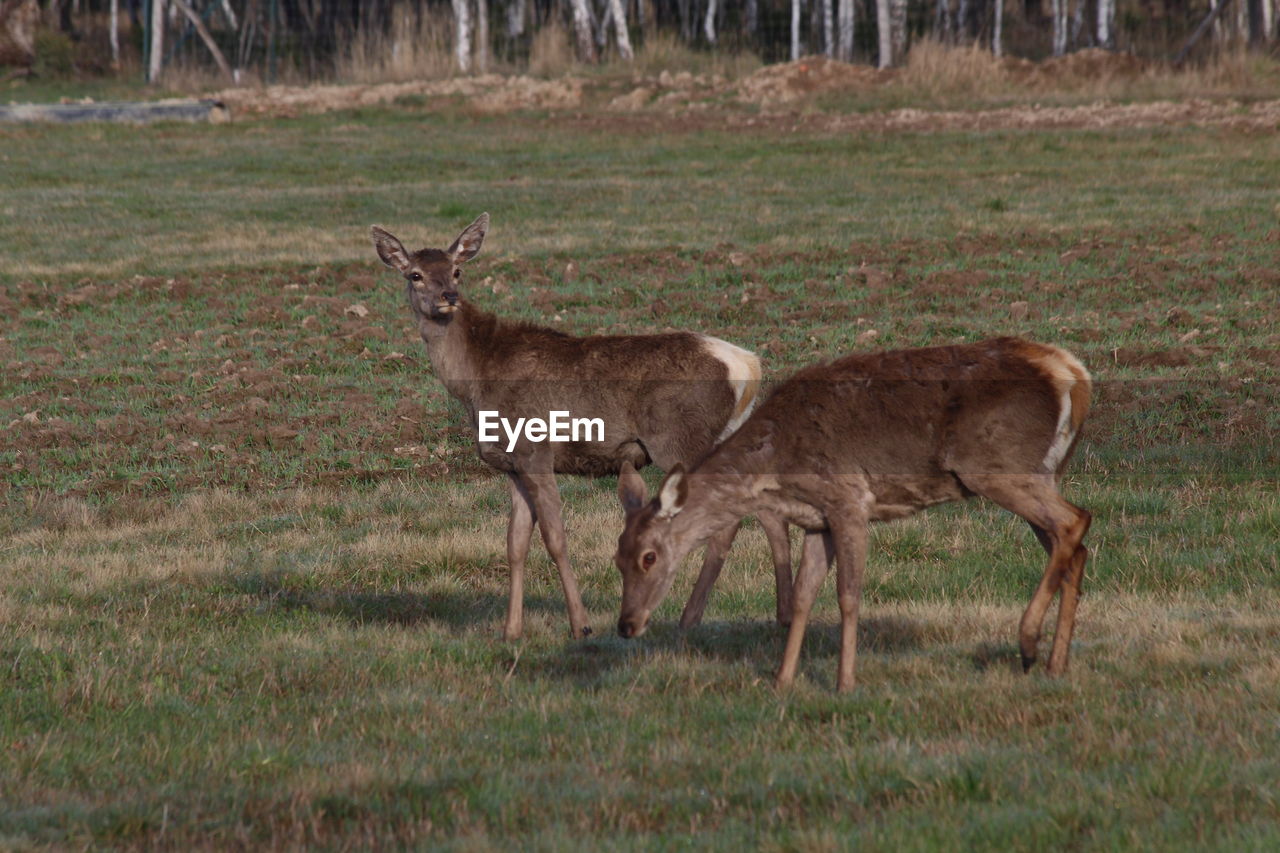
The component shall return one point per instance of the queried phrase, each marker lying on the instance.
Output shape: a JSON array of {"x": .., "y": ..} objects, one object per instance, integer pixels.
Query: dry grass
[
  {"x": 551, "y": 52},
  {"x": 959, "y": 75},
  {"x": 661, "y": 51},
  {"x": 937, "y": 69},
  {"x": 419, "y": 46}
]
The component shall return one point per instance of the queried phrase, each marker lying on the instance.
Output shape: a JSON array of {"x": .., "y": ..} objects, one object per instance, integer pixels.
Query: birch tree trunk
[
  {"x": 845, "y": 14},
  {"x": 1077, "y": 24},
  {"x": 1106, "y": 16},
  {"x": 898, "y": 29},
  {"x": 709, "y": 22},
  {"x": 582, "y": 31},
  {"x": 156, "y": 49},
  {"x": 828, "y": 29},
  {"x": 942, "y": 20},
  {"x": 482, "y": 36},
  {"x": 795, "y": 30},
  {"x": 885, "y": 32},
  {"x": 115, "y": 33},
  {"x": 515, "y": 18},
  {"x": 462, "y": 34},
  {"x": 1059, "y": 12},
  {"x": 620, "y": 30},
  {"x": 753, "y": 17},
  {"x": 997, "y": 30}
]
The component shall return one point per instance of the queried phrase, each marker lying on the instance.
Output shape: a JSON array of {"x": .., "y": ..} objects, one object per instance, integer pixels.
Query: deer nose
[
  {"x": 451, "y": 296},
  {"x": 626, "y": 628}
]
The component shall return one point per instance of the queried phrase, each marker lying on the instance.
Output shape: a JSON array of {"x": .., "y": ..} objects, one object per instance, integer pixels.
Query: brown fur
[
  {"x": 663, "y": 399},
  {"x": 871, "y": 438}
]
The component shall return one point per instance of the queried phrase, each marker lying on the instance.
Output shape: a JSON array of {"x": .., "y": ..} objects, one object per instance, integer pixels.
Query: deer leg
[
  {"x": 546, "y": 506},
  {"x": 1072, "y": 581},
  {"x": 851, "y": 563},
  {"x": 815, "y": 559},
  {"x": 519, "y": 533},
  {"x": 712, "y": 563},
  {"x": 1059, "y": 526},
  {"x": 775, "y": 530}
]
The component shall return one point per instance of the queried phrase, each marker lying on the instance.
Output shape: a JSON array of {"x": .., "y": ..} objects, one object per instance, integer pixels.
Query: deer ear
[
  {"x": 467, "y": 246},
  {"x": 631, "y": 490},
  {"x": 389, "y": 249},
  {"x": 672, "y": 492}
]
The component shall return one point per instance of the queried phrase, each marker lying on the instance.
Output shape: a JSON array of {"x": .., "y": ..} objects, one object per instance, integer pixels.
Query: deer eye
[
  {"x": 457, "y": 274},
  {"x": 415, "y": 276},
  {"x": 649, "y": 559}
]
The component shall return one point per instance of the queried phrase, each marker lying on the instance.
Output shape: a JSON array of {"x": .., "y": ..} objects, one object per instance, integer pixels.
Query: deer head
[
  {"x": 432, "y": 275},
  {"x": 648, "y": 555}
]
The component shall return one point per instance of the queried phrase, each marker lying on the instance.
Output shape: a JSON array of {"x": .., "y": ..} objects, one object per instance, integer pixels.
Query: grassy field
[{"x": 252, "y": 576}]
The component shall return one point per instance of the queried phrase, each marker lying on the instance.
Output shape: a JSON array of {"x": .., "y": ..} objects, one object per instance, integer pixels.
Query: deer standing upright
[
  {"x": 663, "y": 398},
  {"x": 871, "y": 438}
]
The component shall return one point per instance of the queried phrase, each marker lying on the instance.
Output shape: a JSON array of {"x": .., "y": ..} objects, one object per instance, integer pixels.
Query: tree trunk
[
  {"x": 1257, "y": 26},
  {"x": 753, "y": 17},
  {"x": 1059, "y": 13},
  {"x": 942, "y": 20},
  {"x": 884, "y": 32},
  {"x": 828, "y": 28},
  {"x": 1208, "y": 22},
  {"x": 709, "y": 23},
  {"x": 1106, "y": 19},
  {"x": 462, "y": 35},
  {"x": 845, "y": 13},
  {"x": 898, "y": 29},
  {"x": 206, "y": 37},
  {"x": 997, "y": 30},
  {"x": 962, "y": 21},
  {"x": 620, "y": 30},
  {"x": 795, "y": 30},
  {"x": 155, "y": 55},
  {"x": 515, "y": 18},
  {"x": 582, "y": 31},
  {"x": 1077, "y": 24},
  {"x": 115, "y": 34},
  {"x": 482, "y": 36}
]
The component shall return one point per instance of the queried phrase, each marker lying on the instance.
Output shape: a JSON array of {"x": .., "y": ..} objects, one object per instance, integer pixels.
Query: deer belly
[{"x": 899, "y": 497}]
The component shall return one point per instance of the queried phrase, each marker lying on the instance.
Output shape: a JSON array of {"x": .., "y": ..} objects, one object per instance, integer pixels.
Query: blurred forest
[{"x": 304, "y": 40}]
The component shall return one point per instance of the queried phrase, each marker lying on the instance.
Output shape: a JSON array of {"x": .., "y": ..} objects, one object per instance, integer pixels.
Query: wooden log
[{"x": 138, "y": 112}]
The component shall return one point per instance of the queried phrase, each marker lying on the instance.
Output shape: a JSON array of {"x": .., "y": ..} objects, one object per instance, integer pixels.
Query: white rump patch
[
  {"x": 744, "y": 379},
  {"x": 1064, "y": 370}
]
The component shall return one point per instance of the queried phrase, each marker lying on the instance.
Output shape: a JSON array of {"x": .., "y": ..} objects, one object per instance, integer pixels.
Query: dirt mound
[
  {"x": 488, "y": 93},
  {"x": 1093, "y": 64},
  {"x": 791, "y": 81}
]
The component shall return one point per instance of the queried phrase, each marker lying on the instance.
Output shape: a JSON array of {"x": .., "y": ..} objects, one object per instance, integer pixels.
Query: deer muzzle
[{"x": 630, "y": 627}]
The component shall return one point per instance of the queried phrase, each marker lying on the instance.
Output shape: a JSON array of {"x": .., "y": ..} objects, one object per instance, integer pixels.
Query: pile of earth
[
  {"x": 492, "y": 93},
  {"x": 788, "y": 82}
]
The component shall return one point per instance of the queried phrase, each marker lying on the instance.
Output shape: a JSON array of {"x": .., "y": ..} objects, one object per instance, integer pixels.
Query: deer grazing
[
  {"x": 662, "y": 398},
  {"x": 872, "y": 438}
]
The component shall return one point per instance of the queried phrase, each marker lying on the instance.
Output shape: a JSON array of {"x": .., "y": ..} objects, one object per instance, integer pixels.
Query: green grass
[{"x": 253, "y": 576}]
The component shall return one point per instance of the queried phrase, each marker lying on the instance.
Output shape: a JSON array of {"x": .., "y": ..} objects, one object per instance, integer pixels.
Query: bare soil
[{"x": 783, "y": 96}]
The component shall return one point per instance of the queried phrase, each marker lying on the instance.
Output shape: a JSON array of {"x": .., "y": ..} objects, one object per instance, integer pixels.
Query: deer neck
[
  {"x": 452, "y": 350},
  {"x": 714, "y": 501}
]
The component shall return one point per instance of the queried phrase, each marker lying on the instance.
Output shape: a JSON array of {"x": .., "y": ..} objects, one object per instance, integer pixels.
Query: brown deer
[
  {"x": 662, "y": 398},
  {"x": 871, "y": 438}
]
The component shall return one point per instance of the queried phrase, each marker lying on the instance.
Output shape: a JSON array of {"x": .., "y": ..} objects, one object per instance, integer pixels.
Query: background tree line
[{"x": 308, "y": 37}]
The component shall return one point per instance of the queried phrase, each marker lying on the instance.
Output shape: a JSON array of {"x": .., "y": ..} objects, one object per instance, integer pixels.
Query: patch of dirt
[
  {"x": 1259, "y": 116},
  {"x": 684, "y": 101},
  {"x": 491, "y": 93},
  {"x": 788, "y": 82}
]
